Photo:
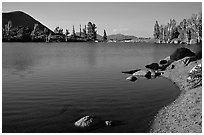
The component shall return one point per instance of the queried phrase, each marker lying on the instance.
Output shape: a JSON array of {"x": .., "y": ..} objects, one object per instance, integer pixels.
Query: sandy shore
[{"x": 184, "y": 115}]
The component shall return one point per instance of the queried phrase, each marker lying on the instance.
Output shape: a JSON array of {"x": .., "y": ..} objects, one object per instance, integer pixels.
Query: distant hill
[
  {"x": 19, "y": 18},
  {"x": 117, "y": 37},
  {"x": 99, "y": 37},
  {"x": 120, "y": 37}
]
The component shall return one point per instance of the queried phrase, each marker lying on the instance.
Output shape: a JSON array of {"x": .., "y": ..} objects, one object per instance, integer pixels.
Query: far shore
[{"x": 184, "y": 115}]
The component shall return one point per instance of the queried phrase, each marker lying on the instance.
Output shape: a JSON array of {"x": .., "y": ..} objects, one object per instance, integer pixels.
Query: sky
[{"x": 131, "y": 18}]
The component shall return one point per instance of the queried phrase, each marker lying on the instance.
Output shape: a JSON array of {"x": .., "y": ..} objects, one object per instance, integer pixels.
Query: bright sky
[{"x": 135, "y": 18}]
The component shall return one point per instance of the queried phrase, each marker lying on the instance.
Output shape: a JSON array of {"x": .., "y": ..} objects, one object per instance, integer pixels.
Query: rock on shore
[{"x": 184, "y": 115}]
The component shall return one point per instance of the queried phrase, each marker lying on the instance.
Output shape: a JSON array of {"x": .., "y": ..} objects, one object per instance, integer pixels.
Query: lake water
[{"x": 47, "y": 87}]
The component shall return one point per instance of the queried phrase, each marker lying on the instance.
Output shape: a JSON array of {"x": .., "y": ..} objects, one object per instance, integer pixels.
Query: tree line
[
  {"x": 186, "y": 31},
  {"x": 35, "y": 34}
]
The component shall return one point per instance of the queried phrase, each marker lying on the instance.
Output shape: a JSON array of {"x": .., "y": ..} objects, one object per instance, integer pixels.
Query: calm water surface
[{"x": 47, "y": 87}]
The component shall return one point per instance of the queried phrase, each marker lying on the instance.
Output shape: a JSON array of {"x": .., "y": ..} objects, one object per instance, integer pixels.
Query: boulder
[
  {"x": 193, "y": 41},
  {"x": 108, "y": 123},
  {"x": 87, "y": 121},
  {"x": 153, "y": 66},
  {"x": 180, "y": 53},
  {"x": 196, "y": 68},
  {"x": 131, "y": 78},
  {"x": 151, "y": 74},
  {"x": 141, "y": 73},
  {"x": 163, "y": 62},
  {"x": 167, "y": 58}
]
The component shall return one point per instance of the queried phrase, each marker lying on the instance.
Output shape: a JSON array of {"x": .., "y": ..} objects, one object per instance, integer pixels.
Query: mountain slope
[{"x": 19, "y": 18}]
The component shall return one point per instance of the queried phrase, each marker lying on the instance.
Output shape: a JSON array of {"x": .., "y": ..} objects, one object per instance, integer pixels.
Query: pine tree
[
  {"x": 80, "y": 30},
  {"x": 156, "y": 30},
  {"x": 73, "y": 32},
  {"x": 104, "y": 36},
  {"x": 84, "y": 32},
  {"x": 56, "y": 31},
  {"x": 91, "y": 31},
  {"x": 67, "y": 32}
]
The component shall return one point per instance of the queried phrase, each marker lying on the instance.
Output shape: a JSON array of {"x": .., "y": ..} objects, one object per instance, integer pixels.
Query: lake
[{"x": 49, "y": 86}]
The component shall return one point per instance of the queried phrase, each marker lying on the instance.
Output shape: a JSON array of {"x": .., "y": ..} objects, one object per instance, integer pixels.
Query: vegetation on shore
[
  {"x": 11, "y": 33},
  {"x": 188, "y": 31}
]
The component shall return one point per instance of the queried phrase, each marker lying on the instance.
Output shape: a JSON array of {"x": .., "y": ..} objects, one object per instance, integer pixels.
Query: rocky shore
[{"x": 184, "y": 115}]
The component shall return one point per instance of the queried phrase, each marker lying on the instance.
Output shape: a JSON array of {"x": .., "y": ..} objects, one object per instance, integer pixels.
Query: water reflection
[
  {"x": 90, "y": 51},
  {"x": 17, "y": 59},
  {"x": 76, "y": 79}
]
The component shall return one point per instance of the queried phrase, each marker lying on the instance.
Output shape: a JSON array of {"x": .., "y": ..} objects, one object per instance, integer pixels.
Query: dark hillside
[{"x": 19, "y": 18}]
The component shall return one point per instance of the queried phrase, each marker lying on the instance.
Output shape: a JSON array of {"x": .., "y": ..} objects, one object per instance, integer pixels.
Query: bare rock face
[{"x": 87, "y": 121}]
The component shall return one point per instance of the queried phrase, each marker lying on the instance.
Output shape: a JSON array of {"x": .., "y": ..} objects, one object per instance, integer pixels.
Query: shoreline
[{"x": 184, "y": 114}]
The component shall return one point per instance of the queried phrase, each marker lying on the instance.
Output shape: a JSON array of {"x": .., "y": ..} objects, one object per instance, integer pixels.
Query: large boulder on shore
[
  {"x": 180, "y": 53},
  {"x": 87, "y": 121}
]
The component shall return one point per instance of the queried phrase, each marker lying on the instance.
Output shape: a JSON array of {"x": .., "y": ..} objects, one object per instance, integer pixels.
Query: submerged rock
[
  {"x": 87, "y": 121},
  {"x": 131, "y": 71}
]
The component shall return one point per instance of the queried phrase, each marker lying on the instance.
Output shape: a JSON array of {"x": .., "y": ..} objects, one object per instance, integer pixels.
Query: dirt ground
[{"x": 184, "y": 115}]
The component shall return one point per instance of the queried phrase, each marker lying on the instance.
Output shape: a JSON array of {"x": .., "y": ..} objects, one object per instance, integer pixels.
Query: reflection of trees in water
[
  {"x": 90, "y": 54},
  {"x": 161, "y": 51},
  {"x": 18, "y": 60},
  {"x": 22, "y": 64},
  {"x": 20, "y": 67}
]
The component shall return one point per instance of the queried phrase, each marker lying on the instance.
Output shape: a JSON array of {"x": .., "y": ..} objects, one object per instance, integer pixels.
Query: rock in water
[
  {"x": 180, "y": 53},
  {"x": 151, "y": 74},
  {"x": 154, "y": 66},
  {"x": 87, "y": 121},
  {"x": 108, "y": 123},
  {"x": 141, "y": 73},
  {"x": 163, "y": 62},
  {"x": 131, "y": 78}
]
